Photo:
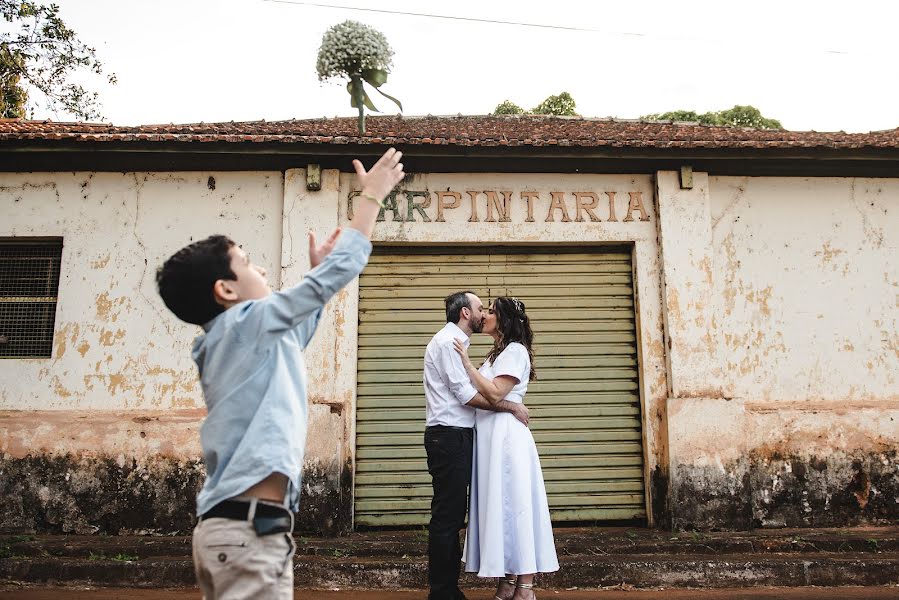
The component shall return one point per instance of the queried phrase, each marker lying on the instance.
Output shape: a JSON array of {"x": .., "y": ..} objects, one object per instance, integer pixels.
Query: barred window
[{"x": 29, "y": 285}]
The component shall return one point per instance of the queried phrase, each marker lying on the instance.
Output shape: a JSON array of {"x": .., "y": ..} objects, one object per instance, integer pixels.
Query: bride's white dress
[{"x": 509, "y": 529}]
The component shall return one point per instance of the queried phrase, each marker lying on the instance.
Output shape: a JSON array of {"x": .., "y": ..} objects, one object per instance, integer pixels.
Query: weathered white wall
[
  {"x": 782, "y": 305},
  {"x": 806, "y": 287},
  {"x": 768, "y": 312},
  {"x": 116, "y": 346}
]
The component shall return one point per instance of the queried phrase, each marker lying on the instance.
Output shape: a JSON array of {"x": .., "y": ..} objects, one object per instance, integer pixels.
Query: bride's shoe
[{"x": 510, "y": 582}]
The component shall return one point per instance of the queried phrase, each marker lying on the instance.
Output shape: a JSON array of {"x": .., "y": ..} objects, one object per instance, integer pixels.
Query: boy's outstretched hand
[
  {"x": 382, "y": 178},
  {"x": 375, "y": 185},
  {"x": 318, "y": 253}
]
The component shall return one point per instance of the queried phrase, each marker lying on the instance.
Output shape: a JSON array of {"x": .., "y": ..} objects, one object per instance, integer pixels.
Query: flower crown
[{"x": 519, "y": 306}]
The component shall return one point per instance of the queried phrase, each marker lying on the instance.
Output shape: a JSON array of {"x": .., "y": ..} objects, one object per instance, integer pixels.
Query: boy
[{"x": 253, "y": 378}]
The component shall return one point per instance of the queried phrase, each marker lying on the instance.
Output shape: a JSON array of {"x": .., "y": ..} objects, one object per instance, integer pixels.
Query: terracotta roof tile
[{"x": 536, "y": 131}]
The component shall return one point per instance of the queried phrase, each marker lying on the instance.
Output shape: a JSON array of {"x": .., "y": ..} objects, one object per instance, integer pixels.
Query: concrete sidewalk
[{"x": 590, "y": 558}]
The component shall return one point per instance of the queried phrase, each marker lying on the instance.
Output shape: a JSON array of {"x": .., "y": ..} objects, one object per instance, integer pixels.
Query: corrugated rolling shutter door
[{"x": 585, "y": 407}]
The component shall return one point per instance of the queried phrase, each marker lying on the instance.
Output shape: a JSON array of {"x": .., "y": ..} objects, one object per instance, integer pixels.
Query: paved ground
[{"x": 8, "y": 592}]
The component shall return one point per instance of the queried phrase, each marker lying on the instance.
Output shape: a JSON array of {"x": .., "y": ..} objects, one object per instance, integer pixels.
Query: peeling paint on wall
[
  {"x": 804, "y": 271},
  {"x": 115, "y": 344},
  {"x": 803, "y": 298}
]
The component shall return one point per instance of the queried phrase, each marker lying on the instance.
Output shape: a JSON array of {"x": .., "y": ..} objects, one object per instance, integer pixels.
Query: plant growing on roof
[{"x": 361, "y": 53}]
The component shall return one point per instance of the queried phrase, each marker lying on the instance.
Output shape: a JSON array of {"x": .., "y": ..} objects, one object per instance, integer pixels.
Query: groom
[{"x": 449, "y": 439}]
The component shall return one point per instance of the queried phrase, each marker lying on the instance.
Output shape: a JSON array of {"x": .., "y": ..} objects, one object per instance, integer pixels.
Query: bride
[{"x": 509, "y": 530}]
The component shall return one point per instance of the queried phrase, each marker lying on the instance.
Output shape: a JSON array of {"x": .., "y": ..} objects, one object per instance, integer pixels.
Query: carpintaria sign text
[{"x": 502, "y": 206}]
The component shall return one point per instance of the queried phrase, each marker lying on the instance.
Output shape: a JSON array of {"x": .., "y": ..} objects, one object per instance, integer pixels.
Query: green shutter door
[{"x": 585, "y": 406}]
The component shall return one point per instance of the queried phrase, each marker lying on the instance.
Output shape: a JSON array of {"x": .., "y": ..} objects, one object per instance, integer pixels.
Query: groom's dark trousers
[{"x": 449, "y": 452}]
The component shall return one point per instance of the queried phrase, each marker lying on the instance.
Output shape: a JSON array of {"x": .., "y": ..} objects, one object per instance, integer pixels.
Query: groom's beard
[{"x": 477, "y": 326}]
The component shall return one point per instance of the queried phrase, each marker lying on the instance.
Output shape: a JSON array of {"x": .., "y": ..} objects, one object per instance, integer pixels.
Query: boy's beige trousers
[{"x": 232, "y": 562}]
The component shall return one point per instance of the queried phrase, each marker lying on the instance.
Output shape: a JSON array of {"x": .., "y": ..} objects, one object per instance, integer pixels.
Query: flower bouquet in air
[{"x": 360, "y": 53}]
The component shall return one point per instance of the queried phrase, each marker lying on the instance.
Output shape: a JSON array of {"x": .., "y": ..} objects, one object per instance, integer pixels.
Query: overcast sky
[{"x": 822, "y": 65}]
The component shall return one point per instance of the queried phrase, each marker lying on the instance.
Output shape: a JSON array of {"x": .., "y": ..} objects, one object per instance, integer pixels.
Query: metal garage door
[{"x": 585, "y": 407}]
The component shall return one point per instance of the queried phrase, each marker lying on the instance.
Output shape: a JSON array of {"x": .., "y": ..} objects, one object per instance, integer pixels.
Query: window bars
[{"x": 29, "y": 285}]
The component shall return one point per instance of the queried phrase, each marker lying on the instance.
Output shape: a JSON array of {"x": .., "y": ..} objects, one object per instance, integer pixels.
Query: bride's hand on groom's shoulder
[{"x": 463, "y": 352}]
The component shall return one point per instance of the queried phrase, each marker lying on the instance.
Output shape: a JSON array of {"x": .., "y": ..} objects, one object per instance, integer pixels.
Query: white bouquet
[{"x": 361, "y": 53}]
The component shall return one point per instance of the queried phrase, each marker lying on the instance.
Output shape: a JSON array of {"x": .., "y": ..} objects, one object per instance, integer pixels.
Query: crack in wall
[
  {"x": 139, "y": 186},
  {"x": 288, "y": 231},
  {"x": 870, "y": 230},
  {"x": 738, "y": 198}
]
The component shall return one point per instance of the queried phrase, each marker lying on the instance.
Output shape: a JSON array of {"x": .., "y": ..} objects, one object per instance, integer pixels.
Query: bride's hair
[{"x": 512, "y": 325}]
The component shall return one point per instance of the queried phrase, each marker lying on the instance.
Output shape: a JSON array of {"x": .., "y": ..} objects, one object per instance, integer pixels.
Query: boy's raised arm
[{"x": 338, "y": 264}]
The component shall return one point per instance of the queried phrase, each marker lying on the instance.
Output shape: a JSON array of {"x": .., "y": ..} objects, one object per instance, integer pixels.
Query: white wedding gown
[{"x": 509, "y": 529}]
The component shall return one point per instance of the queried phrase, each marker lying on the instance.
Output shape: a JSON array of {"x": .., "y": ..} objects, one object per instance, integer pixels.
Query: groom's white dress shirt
[{"x": 447, "y": 386}]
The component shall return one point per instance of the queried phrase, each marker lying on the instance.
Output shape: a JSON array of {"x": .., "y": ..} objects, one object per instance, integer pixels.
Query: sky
[{"x": 814, "y": 65}]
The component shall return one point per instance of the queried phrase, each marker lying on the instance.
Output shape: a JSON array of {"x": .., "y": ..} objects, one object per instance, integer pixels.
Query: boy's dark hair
[
  {"x": 185, "y": 280},
  {"x": 455, "y": 303}
]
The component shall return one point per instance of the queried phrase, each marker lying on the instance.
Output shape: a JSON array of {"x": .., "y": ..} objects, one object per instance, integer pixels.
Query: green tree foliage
[
  {"x": 507, "y": 107},
  {"x": 747, "y": 116},
  {"x": 689, "y": 116},
  {"x": 738, "y": 116},
  {"x": 560, "y": 105},
  {"x": 39, "y": 53},
  {"x": 13, "y": 96}
]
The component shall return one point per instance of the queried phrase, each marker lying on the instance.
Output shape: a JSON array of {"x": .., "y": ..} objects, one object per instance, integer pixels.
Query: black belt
[
  {"x": 267, "y": 520},
  {"x": 449, "y": 428}
]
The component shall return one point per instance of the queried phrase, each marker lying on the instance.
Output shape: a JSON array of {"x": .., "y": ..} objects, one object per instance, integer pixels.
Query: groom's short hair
[{"x": 455, "y": 302}]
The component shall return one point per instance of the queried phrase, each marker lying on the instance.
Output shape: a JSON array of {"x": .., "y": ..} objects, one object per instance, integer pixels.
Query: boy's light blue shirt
[{"x": 253, "y": 377}]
